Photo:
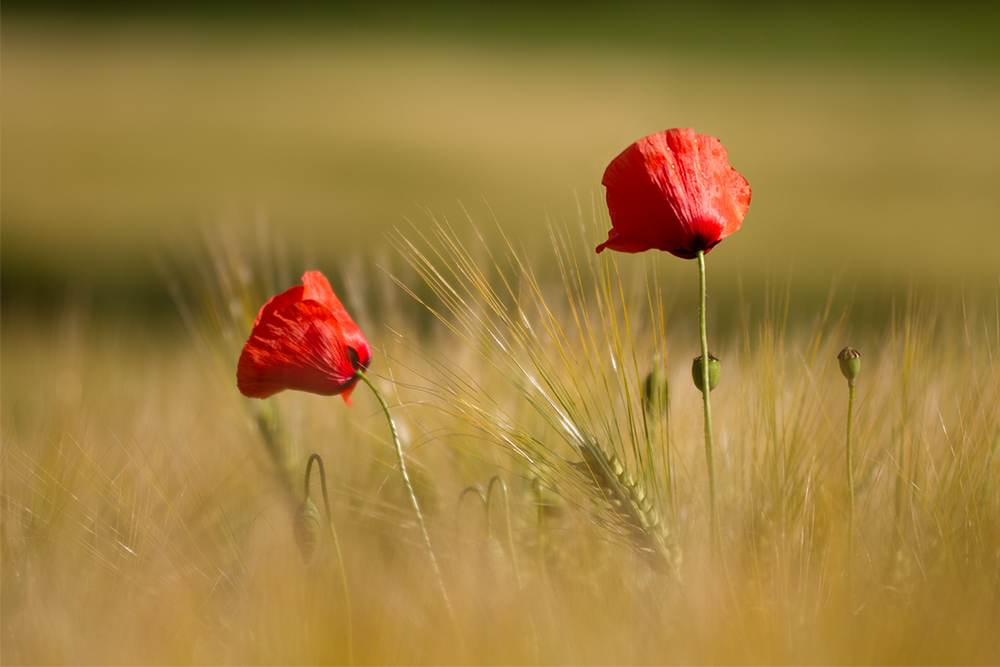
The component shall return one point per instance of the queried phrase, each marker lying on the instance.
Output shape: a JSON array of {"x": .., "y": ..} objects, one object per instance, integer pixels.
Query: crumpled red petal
[
  {"x": 303, "y": 339},
  {"x": 673, "y": 191}
]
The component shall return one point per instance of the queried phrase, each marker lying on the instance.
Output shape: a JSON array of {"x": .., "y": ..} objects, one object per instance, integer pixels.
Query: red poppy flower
[
  {"x": 303, "y": 339},
  {"x": 673, "y": 191}
]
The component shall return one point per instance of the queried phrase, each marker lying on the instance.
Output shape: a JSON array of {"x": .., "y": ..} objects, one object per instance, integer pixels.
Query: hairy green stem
[
  {"x": 409, "y": 488},
  {"x": 709, "y": 453},
  {"x": 336, "y": 545},
  {"x": 850, "y": 488}
]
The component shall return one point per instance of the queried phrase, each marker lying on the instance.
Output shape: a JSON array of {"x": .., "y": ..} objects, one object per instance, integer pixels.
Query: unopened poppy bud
[
  {"x": 850, "y": 363},
  {"x": 655, "y": 392},
  {"x": 714, "y": 372},
  {"x": 307, "y": 529}
]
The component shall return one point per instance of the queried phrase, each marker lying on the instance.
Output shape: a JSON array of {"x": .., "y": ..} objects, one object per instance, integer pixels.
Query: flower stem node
[
  {"x": 307, "y": 529},
  {"x": 850, "y": 363},
  {"x": 714, "y": 372}
]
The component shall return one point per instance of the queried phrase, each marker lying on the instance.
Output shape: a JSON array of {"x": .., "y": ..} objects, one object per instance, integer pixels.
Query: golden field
[{"x": 147, "y": 507}]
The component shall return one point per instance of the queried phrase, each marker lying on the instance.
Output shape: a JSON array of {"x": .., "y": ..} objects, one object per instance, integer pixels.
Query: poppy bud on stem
[
  {"x": 706, "y": 382},
  {"x": 307, "y": 529},
  {"x": 409, "y": 487},
  {"x": 850, "y": 366},
  {"x": 655, "y": 393},
  {"x": 714, "y": 372},
  {"x": 305, "y": 520},
  {"x": 675, "y": 191}
]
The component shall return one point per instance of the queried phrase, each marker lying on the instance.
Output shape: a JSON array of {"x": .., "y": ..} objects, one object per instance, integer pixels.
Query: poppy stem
[
  {"x": 336, "y": 545},
  {"x": 409, "y": 488},
  {"x": 706, "y": 391},
  {"x": 850, "y": 367},
  {"x": 850, "y": 492},
  {"x": 497, "y": 482}
]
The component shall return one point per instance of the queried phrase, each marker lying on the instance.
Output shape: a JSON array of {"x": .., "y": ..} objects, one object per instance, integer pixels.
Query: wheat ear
[{"x": 631, "y": 506}]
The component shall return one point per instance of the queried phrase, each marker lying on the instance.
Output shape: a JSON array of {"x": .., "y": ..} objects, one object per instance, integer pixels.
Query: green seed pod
[
  {"x": 655, "y": 392},
  {"x": 850, "y": 363},
  {"x": 307, "y": 529},
  {"x": 714, "y": 372}
]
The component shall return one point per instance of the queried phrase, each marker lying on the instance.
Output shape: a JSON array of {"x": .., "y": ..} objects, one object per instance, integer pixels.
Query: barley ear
[{"x": 632, "y": 508}]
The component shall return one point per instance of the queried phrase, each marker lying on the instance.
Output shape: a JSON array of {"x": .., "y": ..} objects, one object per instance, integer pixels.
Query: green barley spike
[{"x": 631, "y": 506}]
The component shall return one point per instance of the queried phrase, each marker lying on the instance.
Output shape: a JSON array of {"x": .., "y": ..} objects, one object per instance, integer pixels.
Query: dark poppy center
[
  {"x": 695, "y": 243},
  {"x": 355, "y": 358},
  {"x": 699, "y": 242}
]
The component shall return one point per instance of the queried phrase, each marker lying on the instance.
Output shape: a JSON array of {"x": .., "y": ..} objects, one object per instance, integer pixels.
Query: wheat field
[
  {"x": 147, "y": 506},
  {"x": 164, "y": 174}
]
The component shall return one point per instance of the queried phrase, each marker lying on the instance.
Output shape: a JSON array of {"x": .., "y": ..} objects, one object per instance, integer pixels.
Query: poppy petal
[
  {"x": 279, "y": 302},
  {"x": 317, "y": 288},
  {"x": 673, "y": 191},
  {"x": 303, "y": 339}
]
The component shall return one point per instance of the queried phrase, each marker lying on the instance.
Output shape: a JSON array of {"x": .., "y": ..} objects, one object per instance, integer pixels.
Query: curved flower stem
[
  {"x": 709, "y": 454},
  {"x": 850, "y": 491},
  {"x": 536, "y": 487},
  {"x": 336, "y": 545},
  {"x": 478, "y": 493},
  {"x": 497, "y": 481},
  {"x": 409, "y": 488}
]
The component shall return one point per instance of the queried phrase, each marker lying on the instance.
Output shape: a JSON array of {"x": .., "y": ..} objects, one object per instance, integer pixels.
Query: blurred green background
[{"x": 869, "y": 135}]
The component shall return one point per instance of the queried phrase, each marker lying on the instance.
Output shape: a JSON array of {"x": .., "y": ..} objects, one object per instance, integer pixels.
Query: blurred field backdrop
[{"x": 221, "y": 152}]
